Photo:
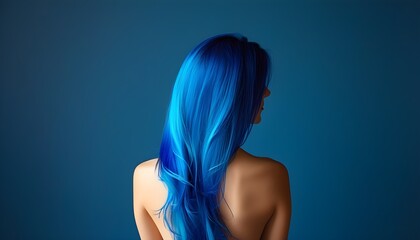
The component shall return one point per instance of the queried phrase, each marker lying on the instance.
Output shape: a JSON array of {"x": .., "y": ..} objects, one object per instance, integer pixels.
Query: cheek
[{"x": 258, "y": 118}]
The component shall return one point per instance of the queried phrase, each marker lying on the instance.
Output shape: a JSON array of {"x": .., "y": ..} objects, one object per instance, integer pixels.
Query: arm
[
  {"x": 278, "y": 226},
  {"x": 145, "y": 225}
]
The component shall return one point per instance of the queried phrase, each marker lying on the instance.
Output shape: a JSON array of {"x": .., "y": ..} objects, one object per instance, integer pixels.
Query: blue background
[{"x": 85, "y": 87}]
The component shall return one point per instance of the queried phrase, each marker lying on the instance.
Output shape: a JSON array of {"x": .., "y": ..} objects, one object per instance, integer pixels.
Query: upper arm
[
  {"x": 278, "y": 225},
  {"x": 145, "y": 225}
]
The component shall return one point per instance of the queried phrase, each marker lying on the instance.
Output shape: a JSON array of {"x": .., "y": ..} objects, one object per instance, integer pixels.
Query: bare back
[{"x": 249, "y": 204}]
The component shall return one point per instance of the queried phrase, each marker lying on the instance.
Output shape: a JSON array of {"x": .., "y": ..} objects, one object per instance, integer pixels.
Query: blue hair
[{"x": 215, "y": 99}]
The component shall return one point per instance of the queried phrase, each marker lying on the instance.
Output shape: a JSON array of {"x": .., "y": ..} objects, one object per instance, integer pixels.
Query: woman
[{"x": 203, "y": 185}]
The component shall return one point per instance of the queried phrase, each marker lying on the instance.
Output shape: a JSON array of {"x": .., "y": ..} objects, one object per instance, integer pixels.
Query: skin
[
  {"x": 267, "y": 93},
  {"x": 256, "y": 204}
]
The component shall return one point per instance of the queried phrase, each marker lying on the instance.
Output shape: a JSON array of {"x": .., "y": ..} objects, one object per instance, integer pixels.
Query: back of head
[{"x": 215, "y": 99}]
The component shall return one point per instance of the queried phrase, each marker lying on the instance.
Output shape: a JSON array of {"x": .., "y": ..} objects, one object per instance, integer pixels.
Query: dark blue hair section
[{"x": 215, "y": 99}]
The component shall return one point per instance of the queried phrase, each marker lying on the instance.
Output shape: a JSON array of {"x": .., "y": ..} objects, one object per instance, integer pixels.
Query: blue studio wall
[{"x": 85, "y": 86}]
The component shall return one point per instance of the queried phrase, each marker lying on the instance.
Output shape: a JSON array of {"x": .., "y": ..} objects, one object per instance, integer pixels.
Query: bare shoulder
[
  {"x": 278, "y": 176},
  {"x": 278, "y": 225},
  {"x": 143, "y": 174},
  {"x": 143, "y": 185},
  {"x": 151, "y": 163},
  {"x": 273, "y": 173},
  {"x": 273, "y": 168}
]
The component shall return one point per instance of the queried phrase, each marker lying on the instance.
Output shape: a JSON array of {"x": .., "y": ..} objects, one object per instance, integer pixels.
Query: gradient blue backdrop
[{"x": 85, "y": 86}]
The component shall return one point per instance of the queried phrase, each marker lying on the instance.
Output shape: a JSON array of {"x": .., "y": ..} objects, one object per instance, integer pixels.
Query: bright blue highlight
[{"x": 215, "y": 99}]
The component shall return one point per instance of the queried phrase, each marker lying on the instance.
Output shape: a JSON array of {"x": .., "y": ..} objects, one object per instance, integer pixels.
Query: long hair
[{"x": 215, "y": 99}]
